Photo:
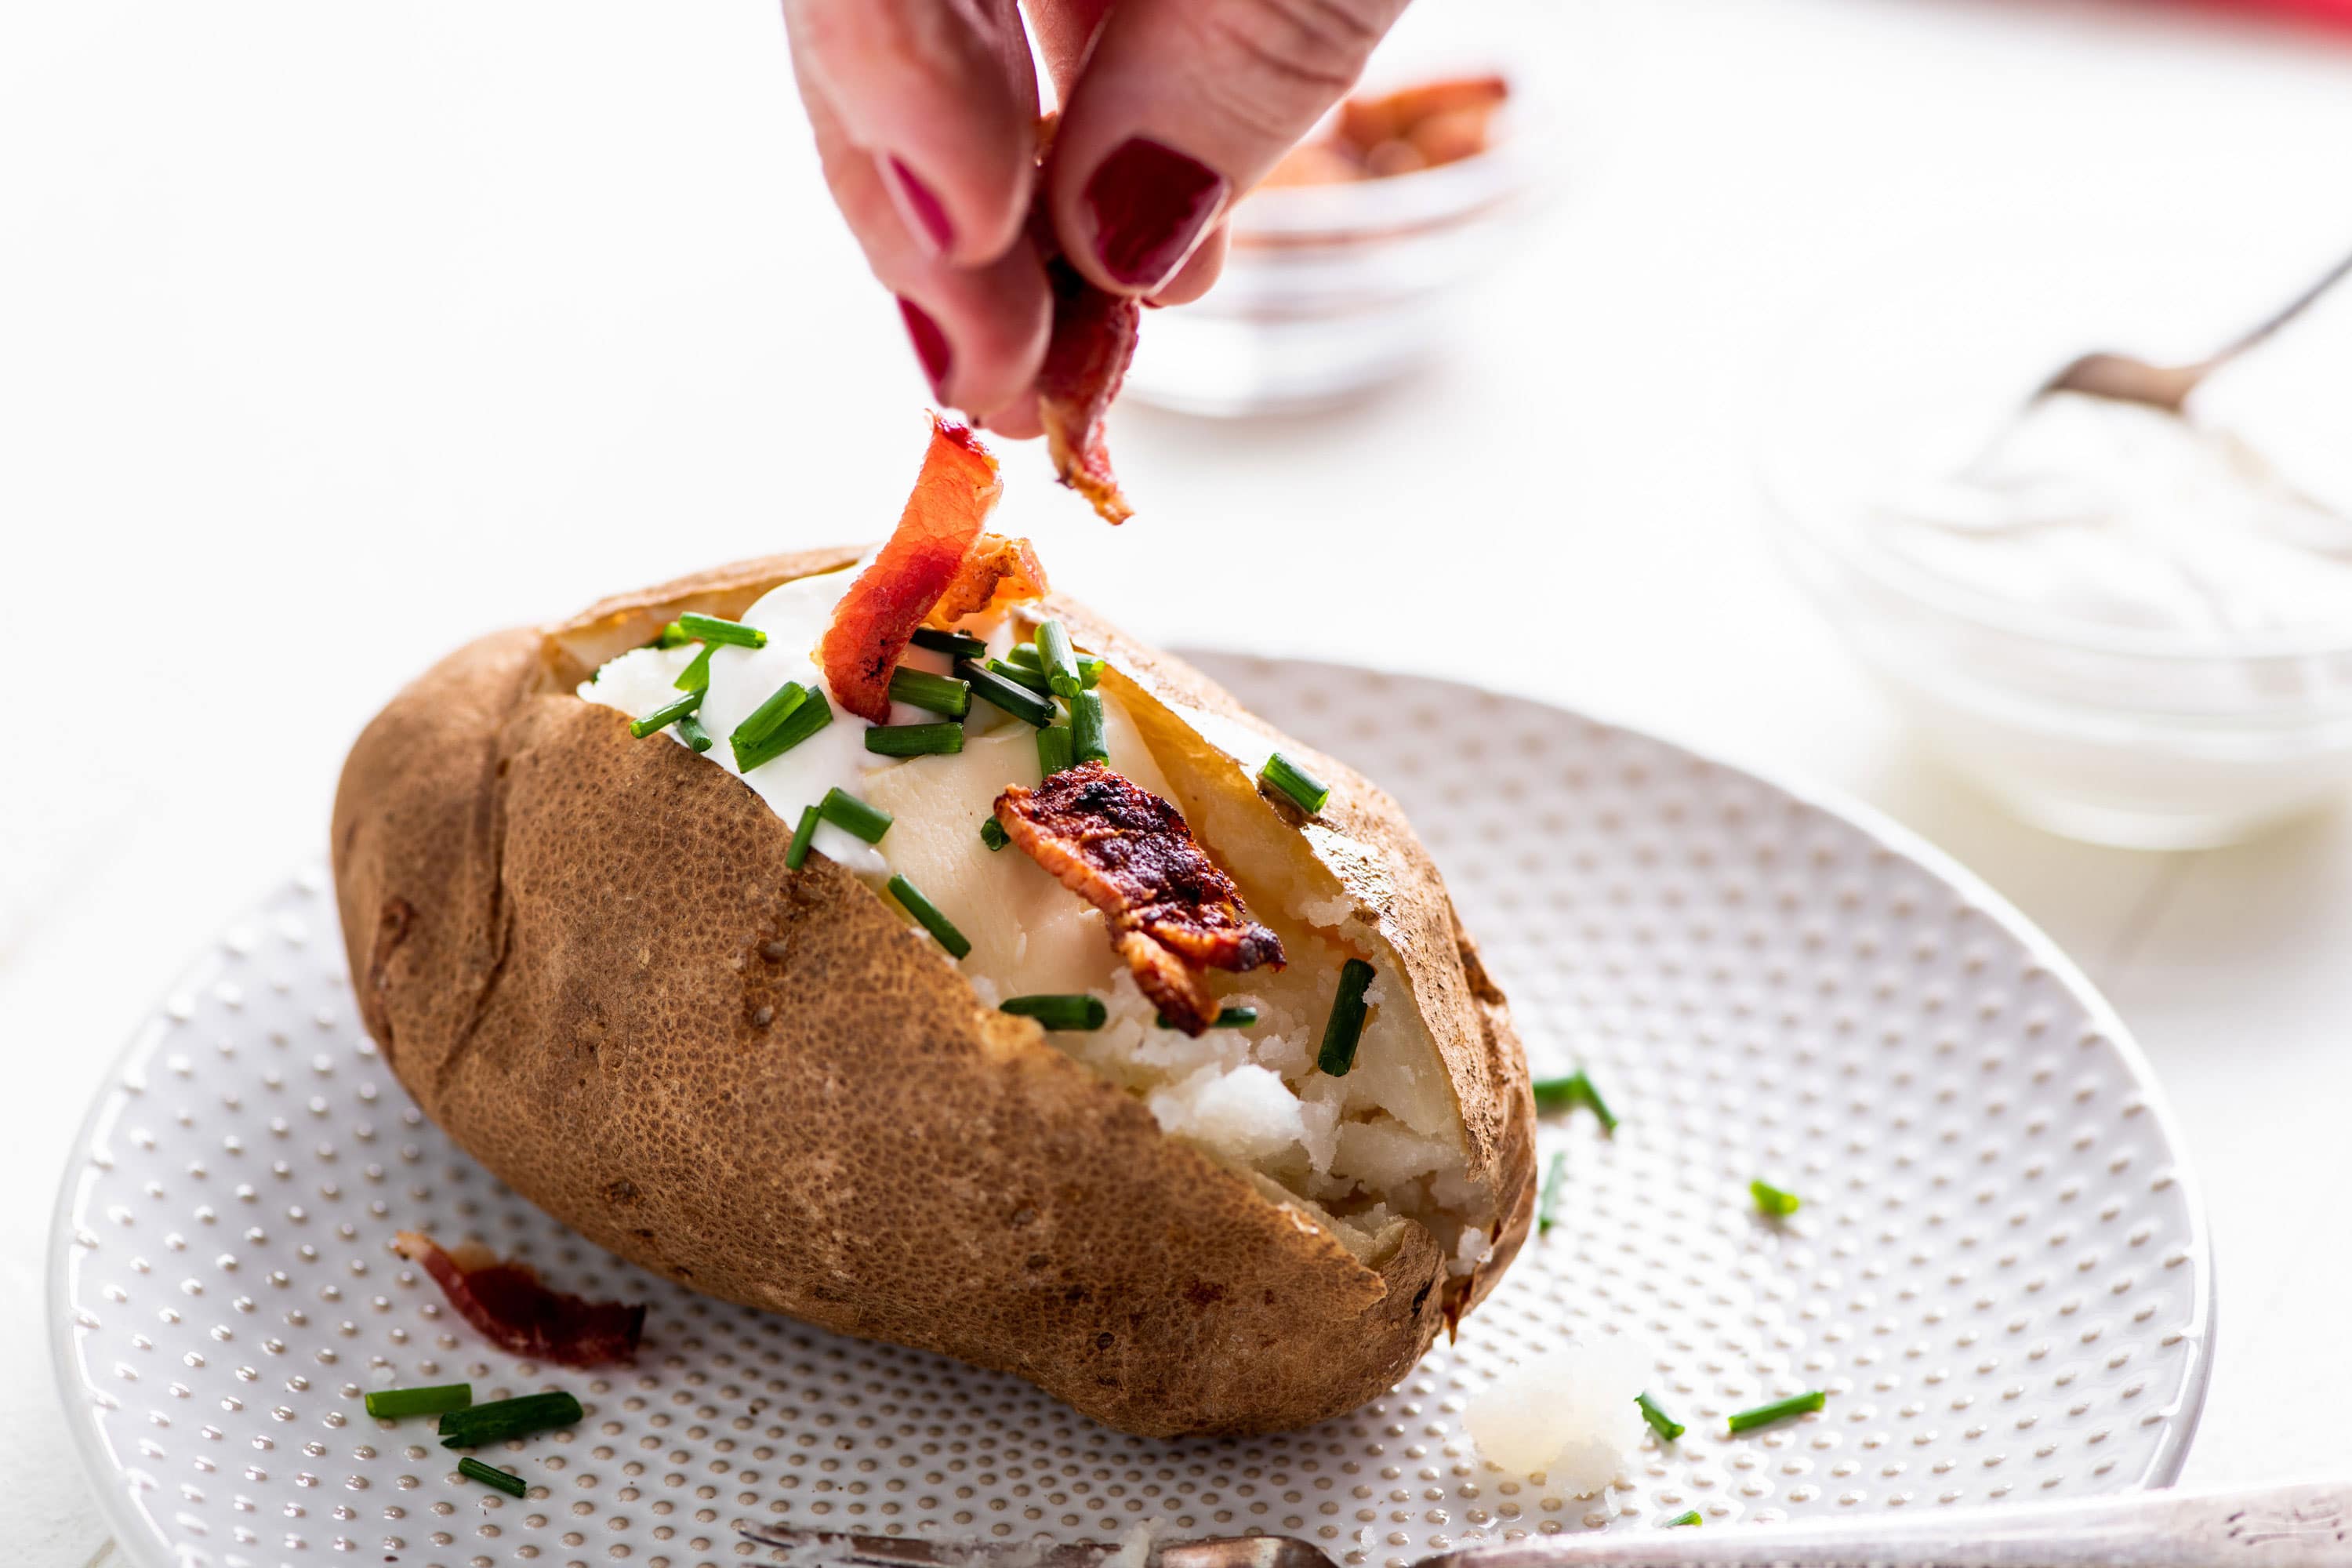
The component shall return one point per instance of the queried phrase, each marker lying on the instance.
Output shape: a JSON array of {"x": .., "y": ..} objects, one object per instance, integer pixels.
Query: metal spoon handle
[
  {"x": 2285, "y": 313},
  {"x": 2304, "y": 1526}
]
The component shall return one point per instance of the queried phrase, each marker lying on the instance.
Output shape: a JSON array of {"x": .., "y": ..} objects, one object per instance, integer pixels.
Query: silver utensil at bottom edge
[{"x": 2308, "y": 1525}]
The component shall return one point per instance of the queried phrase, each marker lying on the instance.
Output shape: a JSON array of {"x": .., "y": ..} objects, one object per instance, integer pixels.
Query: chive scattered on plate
[
  {"x": 391, "y": 1404},
  {"x": 696, "y": 676},
  {"x": 1058, "y": 659},
  {"x": 1086, "y": 740},
  {"x": 958, "y": 645},
  {"x": 1058, "y": 1012},
  {"x": 690, "y": 731},
  {"x": 1576, "y": 1088},
  {"x": 927, "y": 915},
  {"x": 778, "y": 724},
  {"x": 853, "y": 815},
  {"x": 797, "y": 856},
  {"x": 992, "y": 834},
  {"x": 1301, "y": 788},
  {"x": 932, "y": 693},
  {"x": 473, "y": 1470},
  {"x": 1227, "y": 1018},
  {"x": 1031, "y": 680},
  {"x": 1555, "y": 1182},
  {"x": 939, "y": 739},
  {"x": 1345, "y": 1028},
  {"x": 710, "y": 628},
  {"x": 1053, "y": 750},
  {"x": 1014, "y": 698},
  {"x": 1664, "y": 1426},
  {"x": 481, "y": 1424},
  {"x": 661, "y": 718},
  {"x": 1772, "y": 1200},
  {"x": 1688, "y": 1516},
  {"x": 1779, "y": 1410}
]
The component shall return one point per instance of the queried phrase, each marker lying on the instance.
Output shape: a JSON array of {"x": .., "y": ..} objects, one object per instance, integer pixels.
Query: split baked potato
[{"x": 598, "y": 960}]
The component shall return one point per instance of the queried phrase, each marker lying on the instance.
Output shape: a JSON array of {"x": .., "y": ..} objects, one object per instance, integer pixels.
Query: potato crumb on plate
[{"x": 1568, "y": 1416}]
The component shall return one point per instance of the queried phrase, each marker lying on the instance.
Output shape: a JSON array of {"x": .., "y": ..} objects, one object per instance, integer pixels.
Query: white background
[{"x": 330, "y": 335}]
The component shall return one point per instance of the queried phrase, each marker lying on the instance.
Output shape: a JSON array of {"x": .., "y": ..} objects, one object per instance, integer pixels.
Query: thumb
[{"x": 1183, "y": 106}]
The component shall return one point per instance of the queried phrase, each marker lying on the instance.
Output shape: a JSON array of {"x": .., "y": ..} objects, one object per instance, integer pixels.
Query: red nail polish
[
  {"x": 930, "y": 346},
  {"x": 926, "y": 219},
  {"x": 1150, "y": 206}
]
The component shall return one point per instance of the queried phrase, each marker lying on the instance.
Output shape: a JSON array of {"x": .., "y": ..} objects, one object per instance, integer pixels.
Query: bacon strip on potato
[
  {"x": 1172, "y": 910},
  {"x": 510, "y": 1305},
  {"x": 998, "y": 572},
  {"x": 1087, "y": 354}
]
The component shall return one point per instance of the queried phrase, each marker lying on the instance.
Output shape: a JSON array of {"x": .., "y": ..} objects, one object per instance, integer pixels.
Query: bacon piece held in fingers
[
  {"x": 1172, "y": 910},
  {"x": 922, "y": 558},
  {"x": 1087, "y": 355},
  {"x": 998, "y": 572},
  {"x": 509, "y": 1304}
]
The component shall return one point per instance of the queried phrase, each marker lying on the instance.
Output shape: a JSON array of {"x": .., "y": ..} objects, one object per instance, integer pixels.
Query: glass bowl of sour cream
[{"x": 2132, "y": 626}]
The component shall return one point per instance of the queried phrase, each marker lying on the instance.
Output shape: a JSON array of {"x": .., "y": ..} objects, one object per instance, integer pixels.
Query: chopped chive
[
  {"x": 670, "y": 635},
  {"x": 1024, "y": 654},
  {"x": 927, "y": 915},
  {"x": 1772, "y": 1200},
  {"x": 1688, "y": 1516},
  {"x": 765, "y": 719},
  {"x": 1033, "y": 680},
  {"x": 1555, "y": 1182},
  {"x": 1053, "y": 750},
  {"x": 1014, "y": 698},
  {"x": 932, "y": 693},
  {"x": 1779, "y": 1410},
  {"x": 1090, "y": 669},
  {"x": 1576, "y": 1088},
  {"x": 1090, "y": 666},
  {"x": 800, "y": 720},
  {"x": 853, "y": 815},
  {"x": 690, "y": 731},
  {"x": 483, "y": 1424},
  {"x": 1228, "y": 1019},
  {"x": 942, "y": 739},
  {"x": 992, "y": 834},
  {"x": 473, "y": 1470},
  {"x": 661, "y": 718},
  {"x": 1664, "y": 1426},
  {"x": 1303, "y": 789},
  {"x": 1058, "y": 659},
  {"x": 959, "y": 644},
  {"x": 391, "y": 1404},
  {"x": 710, "y": 628},
  {"x": 1086, "y": 740},
  {"x": 1345, "y": 1027},
  {"x": 1058, "y": 1012},
  {"x": 696, "y": 676},
  {"x": 797, "y": 856}
]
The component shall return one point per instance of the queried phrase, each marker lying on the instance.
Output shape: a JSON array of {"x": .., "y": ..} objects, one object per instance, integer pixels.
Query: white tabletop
[{"x": 330, "y": 335}]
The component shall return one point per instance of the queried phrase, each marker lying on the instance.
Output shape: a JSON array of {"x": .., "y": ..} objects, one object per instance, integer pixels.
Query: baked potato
[{"x": 600, "y": 961}]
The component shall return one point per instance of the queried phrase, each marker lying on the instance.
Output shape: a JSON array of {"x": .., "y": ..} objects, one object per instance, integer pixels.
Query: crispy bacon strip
[
  {"x": 923, "y": 557},
  {"x": 1172, "y": 909},
  {"x": 997, "y": 571},
  {"x": 509, "y": 1304},
  {"x": 1087, "y": 356}
]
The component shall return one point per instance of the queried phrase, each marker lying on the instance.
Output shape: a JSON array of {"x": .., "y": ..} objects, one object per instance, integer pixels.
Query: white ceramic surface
[{"x": 2000, "y": 1273}]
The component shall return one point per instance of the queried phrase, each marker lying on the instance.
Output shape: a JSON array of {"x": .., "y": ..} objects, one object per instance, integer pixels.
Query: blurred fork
[{"x": 2302, "y": 1526}]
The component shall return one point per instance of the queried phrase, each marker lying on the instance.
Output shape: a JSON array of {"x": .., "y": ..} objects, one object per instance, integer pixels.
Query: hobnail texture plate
[{"x": 2000, "y": 1274}]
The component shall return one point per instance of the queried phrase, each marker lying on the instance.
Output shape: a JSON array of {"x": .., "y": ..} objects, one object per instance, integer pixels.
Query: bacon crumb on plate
[
  {"x": 510, "y": 1305},
  {"x": 1172, "y": 910}
]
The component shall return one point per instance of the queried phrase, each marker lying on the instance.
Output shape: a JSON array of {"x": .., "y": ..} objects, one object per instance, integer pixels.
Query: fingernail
[
  {"x": 1150, "y": 206},
  {"x": 930, "y": 346},
  {"x": 926, "y": 219}
]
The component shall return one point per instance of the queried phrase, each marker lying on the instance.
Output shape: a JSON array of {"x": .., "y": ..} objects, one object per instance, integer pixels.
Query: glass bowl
[{"x": 2134, "y": 736}]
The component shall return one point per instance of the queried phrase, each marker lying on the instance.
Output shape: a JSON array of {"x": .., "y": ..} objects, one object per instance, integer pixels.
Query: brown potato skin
[{"x": 585, "y": 956}]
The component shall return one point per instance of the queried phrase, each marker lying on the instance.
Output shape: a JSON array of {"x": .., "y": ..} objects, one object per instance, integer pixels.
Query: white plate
[{"x": 2001, "y": 1272}]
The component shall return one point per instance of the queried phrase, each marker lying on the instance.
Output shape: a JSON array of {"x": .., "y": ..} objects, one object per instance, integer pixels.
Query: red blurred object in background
[{"x": 2328, "y": 13}]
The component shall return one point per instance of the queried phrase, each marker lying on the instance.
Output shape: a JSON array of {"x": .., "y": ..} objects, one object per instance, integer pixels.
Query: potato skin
[{"x": 585, "y": 956}]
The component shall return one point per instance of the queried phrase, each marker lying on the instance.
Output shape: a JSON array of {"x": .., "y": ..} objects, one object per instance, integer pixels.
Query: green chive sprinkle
[
  {"x": 1058, "y": 1012},
  {"x": 1305, "y": 791},
  {"x": 1053, "y": 750},
  {"x": 853, "y": 815},
  {"x": 927, "y": 915},
  {"x": 1779, "y": 1410},
  {"x": 473, "y": 1470},
  {"x": 763, "y": 721},
  {"x": 710, "y": 628},
  {"x": 1033, "y": 680},
  {"x": 1576, "y": 1088},
  {"x": 797, "y": 856},
  {"x": 391, "y": 1404},
  {"x": 661, "y": 718},
  {"x": 1664, "y": 1426},
  {"x": 939, "y": 739},
  {"x": 1689, "y": 1516},
  {"x": 1345, "y": 1028},
  {"x": 932, "y": 693},
  {"x": 1772, "y": 1201},
  {"x": 1087, "y": 742},
  {"x": 1228, "y": 1019},
  {"x": 957, "y": 644},
  {"x": 1014, "y": 698},
  {"x": 483, "y": 1424},
  {"x": 1058, "y": 659},
  {"x": 1555, "y": 1183},
  {"x": 690, "y": 731},
  {"x": 810, "y": 716},
  {"x": 1090, "y": 666},
  {"x": 670, "y": 635},
  {"x": 992, "y": 834},
  {"x": 696, "y": 676}
]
